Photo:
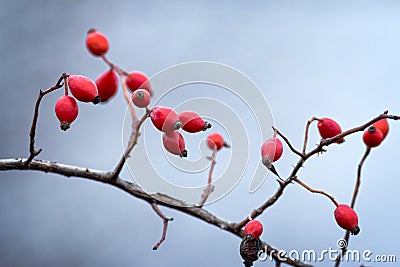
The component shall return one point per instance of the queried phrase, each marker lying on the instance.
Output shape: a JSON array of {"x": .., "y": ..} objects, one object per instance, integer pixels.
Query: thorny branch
[
  {"x": 165, "y": 222},
  {"x": 138, "y": 192},
  {"x": 320, "y": 147},
  {"x": 288, "y": 143},
  {"x": 210, "y": 188},
  {"x": 32, "y": 134},
  {"x": 112, "y": 178},
  {"x": 353, "y": 202}
]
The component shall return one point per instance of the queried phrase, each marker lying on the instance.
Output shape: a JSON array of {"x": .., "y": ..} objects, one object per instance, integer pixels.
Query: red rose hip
[
  {"x": 107, "y": 85},
  {"x": 253, "y": 228},
  {"x": 372, "y": 137},
  {"x": 66, "y": 111},
  {"x": 271, "y": 151},
  {"x": 137, "y": 80},
  {"x": 96, "y": 42},
  {"x": 193, "y": 123},
  {"x": 347, "y": 218},
  {"x": 141, "y": 98},
  {"x": 329, "y": 128},
  {"x": 382, "y": 125},
  {"x": 165, "y": 119},
  {"x": 83, "y": 89},
  {"x": 215, "y": 141},
  {"x": 174, "y": 143}
]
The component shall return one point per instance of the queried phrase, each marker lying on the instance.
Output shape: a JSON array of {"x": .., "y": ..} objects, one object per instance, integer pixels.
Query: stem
[
  {"x": 131, "y": 145},
  {"x": 297, "y": 180},
  {"x": 120, "y": 71},
  {"x": 306, "y": 134},
  {"x": 210, "y": 188},
  {"x": 32, "y": 134},
  {"x": 288, "y": 143},
  {"x": 353, "y": 202},
  {"x": 165, "y": 225},
  {"x": 66, "y": 89},
  {"x": 358, "y": 181},
  {"x": 128, "y": 100}
]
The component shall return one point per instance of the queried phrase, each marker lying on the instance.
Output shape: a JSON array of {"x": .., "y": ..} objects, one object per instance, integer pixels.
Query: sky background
[{"x": 337, "y": 59}]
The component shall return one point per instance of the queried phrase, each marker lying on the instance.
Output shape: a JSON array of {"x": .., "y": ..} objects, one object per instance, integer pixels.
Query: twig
[
  {"x": 324, "y": 142},
  {"x": 358, "y": 182},
  {"x": 32, "y": 134},
  {"x": 297, "y": 180},
  {"x": 138, "y": 192},
  {"x": 288, "y": 143},
  {"x": 120, "y": 71},
  {"x": 131, "y": 145},
  {"x": 306, "y": 134},
  {"x": 353, "y": 202},
  {"x": 165, "y": 222},
  {"x": 210, "y": 188},
  {"x": 122, "y": 75}
]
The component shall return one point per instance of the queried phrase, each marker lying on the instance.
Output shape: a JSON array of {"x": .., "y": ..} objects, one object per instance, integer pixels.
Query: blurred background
[{"x": 336, "y": 59}]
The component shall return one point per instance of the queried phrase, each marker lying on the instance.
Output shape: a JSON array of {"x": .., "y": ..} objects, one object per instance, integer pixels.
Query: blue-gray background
[{"x": 325, "y": 58}]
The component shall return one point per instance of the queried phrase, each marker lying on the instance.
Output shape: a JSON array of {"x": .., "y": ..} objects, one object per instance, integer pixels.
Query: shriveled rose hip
[
  {"x": 96, "y": 42},
  {"x": 66, "y": 111},
  {"x": 192, "y": 122},
  {"x": 83, "y": 89},
  {"x": 107, "y": 85},
  {"x": 251, "y": 244}
]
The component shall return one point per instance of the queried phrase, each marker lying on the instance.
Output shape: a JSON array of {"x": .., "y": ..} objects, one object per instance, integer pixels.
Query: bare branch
[
  {"x": 297, "y": 180},
  {"x": 210, "y": 188},
  {"x": 165, "y": 222},
  {"x": 138, "y": 192},
  {"x": 324, "y": 142},
  {"x": 288, "y": 143},
  {"x": 32, "y": 134}
]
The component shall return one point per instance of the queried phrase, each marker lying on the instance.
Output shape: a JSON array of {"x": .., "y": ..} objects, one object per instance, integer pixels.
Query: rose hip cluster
[
  {"x": 104, "y": 88},
  {"x": 272, "y": 149},
  {"x": 84, "y": 90},
  {"x": 169, "y": 122}
]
